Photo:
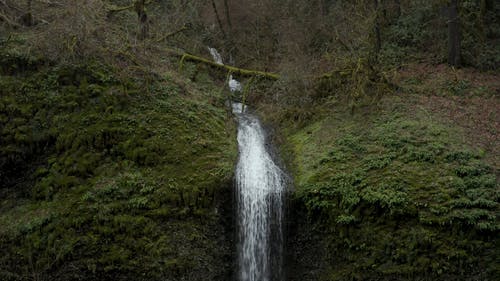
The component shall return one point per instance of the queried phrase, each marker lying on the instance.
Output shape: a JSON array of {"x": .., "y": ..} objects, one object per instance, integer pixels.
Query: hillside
[
  {"x": 102, "y": 179},
  {"x": 119, "y": 147},
  {"x": 406, "y": 191}
]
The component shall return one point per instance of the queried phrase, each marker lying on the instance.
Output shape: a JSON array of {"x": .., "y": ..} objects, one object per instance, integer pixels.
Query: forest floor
[{"x": 462, "y": 97}]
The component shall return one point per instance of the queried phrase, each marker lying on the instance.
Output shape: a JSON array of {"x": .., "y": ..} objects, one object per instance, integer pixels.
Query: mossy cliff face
[
  {"x": 394, "y": 194},
  {"x": 103, "y": 179}
]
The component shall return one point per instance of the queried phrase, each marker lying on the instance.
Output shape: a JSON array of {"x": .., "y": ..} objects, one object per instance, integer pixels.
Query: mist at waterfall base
[{"x": 260, "y": 186}]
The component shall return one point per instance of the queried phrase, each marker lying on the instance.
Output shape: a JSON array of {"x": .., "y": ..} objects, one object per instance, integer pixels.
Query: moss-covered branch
[{"x": 226, "y": 68}]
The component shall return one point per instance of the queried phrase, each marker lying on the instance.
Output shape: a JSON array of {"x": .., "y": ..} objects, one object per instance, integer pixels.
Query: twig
[
  {"x": 184, "y": 28},
  {"x": 10, "y": 22}
]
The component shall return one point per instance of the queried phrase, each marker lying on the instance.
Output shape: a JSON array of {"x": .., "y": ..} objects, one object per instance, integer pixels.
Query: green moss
[
  {"x": 395, "y": 194},
  {"x": 121, "y": 185}
]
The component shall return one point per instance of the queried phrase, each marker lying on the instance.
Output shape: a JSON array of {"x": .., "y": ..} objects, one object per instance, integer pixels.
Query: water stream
[{"x": 260, "y": 187}]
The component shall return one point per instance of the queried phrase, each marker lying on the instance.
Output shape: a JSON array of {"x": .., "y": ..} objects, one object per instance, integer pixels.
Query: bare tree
[
  {"x": 454, "y": 34},
  {"x": 397, "y": 3},
  {"x": 378, "y": 40},
  {"x": 140, "y": 9},
  {"x": 228, "y": 14},
  {"x": 325, "y": 6},
  {"x": 28, "y": 17},
  {"x": 219, "y": 21}
]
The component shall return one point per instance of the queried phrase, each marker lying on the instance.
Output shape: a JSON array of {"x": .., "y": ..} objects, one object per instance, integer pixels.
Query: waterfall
[
  {"x": 215, "y": 55},
  {"x": 260, "y": 186},
  {"x": 234, "y": 85}
]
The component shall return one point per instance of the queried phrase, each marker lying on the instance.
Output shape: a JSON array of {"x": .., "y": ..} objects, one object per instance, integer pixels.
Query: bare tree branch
[
  {"x": 182, "y": 29},
  {"x": 9, "y": 21}
]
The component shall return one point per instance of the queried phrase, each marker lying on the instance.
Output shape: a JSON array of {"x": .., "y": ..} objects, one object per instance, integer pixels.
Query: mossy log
[{"x": 227, "y": 68}]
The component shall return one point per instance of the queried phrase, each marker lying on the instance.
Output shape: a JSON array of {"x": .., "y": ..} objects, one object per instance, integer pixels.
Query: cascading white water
[
  {"x": 260, "y": 186},
  {"x": 215, "y": 55},
  {"x": 234, "y": 85}
]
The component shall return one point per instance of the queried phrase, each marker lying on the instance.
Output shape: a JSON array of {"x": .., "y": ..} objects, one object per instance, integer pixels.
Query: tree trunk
[
  {"x": 397, "y": 3},
  {"x": 453, "y": 34},
  {"x": 482, "y": 19},
  {"x": 384, "y": 10},
  {"x": 227, "y": 68},
  {"x": 228, "y": 15},
  {"x": 30, "y": 12},
  {"x": 378, "y": 40},
  {"x": 229, "y": 43},
  {"x": 325, "y": 7},
  {"x": 140, "y": 9},
  {"x": 27, "y": 18},
  {"x": 217, "y": 16}
]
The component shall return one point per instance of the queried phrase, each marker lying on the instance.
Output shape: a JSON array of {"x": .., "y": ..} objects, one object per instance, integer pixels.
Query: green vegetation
[
  {"x": 393, "y": 194},
  {"x": 116, "y": 152},
  {"x": 111, "y": 179},
  {"x": 393, "y": 152}
]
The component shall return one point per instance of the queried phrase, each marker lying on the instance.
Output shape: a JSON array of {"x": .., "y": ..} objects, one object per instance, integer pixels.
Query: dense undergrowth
[
  {"x": 109, "y": 179},
  {"x": 388, "y": 193}
]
